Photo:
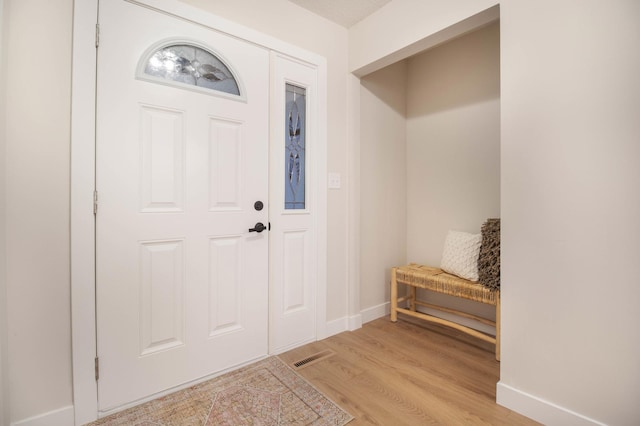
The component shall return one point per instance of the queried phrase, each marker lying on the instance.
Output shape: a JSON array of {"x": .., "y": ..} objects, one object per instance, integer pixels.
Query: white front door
[{"x": 182, "y": 159}]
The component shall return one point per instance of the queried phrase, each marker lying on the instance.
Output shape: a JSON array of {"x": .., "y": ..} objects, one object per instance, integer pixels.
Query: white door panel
[
  {"x": 294, "y": 259},
  {"x": 182, "y": 285}
]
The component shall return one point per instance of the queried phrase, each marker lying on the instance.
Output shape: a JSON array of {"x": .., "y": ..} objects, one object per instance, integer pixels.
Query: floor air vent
[{"x": 313, "y": 359}]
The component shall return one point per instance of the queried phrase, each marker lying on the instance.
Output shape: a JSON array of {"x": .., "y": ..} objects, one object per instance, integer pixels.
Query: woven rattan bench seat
[{"x": 435, "y": 279}]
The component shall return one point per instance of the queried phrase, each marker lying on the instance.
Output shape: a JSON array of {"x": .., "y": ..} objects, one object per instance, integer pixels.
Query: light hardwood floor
[{"x": 408, "y": 373}]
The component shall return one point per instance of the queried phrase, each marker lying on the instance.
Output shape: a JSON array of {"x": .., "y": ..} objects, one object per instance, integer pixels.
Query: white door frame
[{"x": 83, "y": 181}]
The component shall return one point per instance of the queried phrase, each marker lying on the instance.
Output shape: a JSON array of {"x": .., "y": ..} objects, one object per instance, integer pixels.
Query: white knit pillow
[{"x": 460, "y": 255}]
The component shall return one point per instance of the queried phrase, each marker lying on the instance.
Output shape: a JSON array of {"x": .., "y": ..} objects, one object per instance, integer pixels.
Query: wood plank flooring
[{"x": 408, "y": 373}]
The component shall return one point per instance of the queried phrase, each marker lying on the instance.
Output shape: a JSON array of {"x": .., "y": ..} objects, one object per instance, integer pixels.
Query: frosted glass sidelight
[
  {"x": 191, "y": 65},
  {"x": 295, "y": 138}
]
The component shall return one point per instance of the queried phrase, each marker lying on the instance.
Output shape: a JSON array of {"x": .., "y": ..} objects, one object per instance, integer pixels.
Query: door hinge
[
  {"x": 97, "y": 362},
  {"x": 97, "y": 35},
  {"x": 95, "y": 202}
]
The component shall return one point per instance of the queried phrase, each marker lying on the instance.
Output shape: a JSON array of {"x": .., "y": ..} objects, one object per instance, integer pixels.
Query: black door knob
[{"x": 259, "y": 227}]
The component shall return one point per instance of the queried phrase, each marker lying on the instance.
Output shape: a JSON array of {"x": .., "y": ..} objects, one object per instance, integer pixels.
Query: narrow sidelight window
[{"x": 295, "y": 138}]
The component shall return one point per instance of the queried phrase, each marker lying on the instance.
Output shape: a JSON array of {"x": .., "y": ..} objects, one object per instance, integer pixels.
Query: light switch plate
[{"x": 334, "y": 181}]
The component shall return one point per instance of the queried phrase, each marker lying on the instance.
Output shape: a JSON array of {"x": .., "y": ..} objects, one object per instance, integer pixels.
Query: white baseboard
[
  {"x": 538, "y": 409},
  {"x": 375, "y": 312},
  {"x": 343, "y": 324},
  {"x": 60, "y": 417},
  {"x": 355, "y": 322},
  {"x": 337, "y": 326}
]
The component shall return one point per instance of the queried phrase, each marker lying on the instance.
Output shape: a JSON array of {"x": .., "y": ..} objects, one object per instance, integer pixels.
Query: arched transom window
[{"x": 188, "y": 64}]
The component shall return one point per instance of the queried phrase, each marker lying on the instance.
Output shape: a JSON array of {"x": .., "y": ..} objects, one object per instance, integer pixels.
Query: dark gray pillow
[{"x": 489, "y": 258}]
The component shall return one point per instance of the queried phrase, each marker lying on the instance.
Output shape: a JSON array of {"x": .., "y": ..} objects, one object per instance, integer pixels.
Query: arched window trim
[{"x": 144, "y": 59}]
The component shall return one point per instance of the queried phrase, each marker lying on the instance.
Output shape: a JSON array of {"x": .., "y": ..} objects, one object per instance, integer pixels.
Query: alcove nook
[{"x": 429, "y": 159}]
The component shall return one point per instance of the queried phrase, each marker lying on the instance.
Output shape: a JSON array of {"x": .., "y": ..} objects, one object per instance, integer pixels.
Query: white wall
[
  {"x": 571, "y": 207},
  {"x": 4, "y": 383},
  {"x": 453, "y": 141},
  {"x": 287, "y": 21},
  {"x": 453, "y": 147},
  {"x": 37, "y": 99},
  {"x": 383, "y": 195}
]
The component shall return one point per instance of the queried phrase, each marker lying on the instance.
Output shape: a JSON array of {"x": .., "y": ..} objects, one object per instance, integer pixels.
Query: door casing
[{"x": 83, "y": 181}]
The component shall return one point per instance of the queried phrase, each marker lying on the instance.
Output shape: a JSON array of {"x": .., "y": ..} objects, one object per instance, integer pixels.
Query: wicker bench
[{"x": 419, "y": 276}]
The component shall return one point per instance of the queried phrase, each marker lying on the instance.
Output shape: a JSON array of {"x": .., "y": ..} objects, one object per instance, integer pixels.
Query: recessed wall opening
[{"x": 429, "y": 159}]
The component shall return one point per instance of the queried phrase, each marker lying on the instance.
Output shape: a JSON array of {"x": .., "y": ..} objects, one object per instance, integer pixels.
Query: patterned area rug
[{"x": 265, "y": 393}]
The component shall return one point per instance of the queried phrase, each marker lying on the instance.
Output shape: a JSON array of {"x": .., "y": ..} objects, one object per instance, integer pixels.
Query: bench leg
[
  {"x": 412, "y": 298},
  {"x": 394, "y": 296},
  {"x": 498, "y": 328}
]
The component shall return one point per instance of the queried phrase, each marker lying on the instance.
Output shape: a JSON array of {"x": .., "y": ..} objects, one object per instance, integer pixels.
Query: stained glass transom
[
  {"x": 295, "y": 140},
  {"x": 192, "y": 65}
]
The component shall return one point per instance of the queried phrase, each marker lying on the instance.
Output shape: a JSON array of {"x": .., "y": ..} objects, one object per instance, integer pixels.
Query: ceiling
[{"x": 342, "y": 12}]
